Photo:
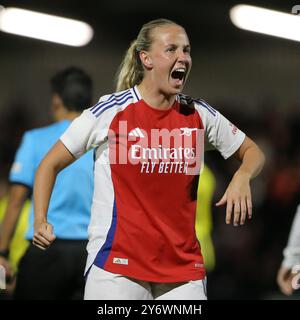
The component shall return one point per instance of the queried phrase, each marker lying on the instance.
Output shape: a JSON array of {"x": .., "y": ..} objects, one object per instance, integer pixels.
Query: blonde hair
[{"x": 131, "y": 70}]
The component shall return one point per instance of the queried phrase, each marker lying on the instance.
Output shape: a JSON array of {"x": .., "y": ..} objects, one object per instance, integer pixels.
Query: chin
[
  {"x": 177, "y": 89},
  {"x": 172, "y": 90}
]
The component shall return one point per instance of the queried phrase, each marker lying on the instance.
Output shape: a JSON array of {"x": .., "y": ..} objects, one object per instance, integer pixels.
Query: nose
[{"x": 183, "y": 56}]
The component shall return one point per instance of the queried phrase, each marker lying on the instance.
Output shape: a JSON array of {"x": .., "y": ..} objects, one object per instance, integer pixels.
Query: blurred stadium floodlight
[
  {"x": 270, "y": 22},
  {"x": 45, "y": 27}
]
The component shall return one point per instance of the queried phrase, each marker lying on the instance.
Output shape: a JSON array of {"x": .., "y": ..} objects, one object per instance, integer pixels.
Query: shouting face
[{"x": 168, "y": 61}]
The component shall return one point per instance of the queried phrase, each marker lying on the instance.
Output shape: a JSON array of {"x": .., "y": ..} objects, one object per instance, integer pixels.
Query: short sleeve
[
  {"x": 86, "y": 132},
  {"x": 220, "y": 133},
  {"x": 24, "y": 166}
]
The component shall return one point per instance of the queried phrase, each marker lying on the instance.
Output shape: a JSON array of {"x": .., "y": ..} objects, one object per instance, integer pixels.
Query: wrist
[
  {"x": 4, "y": 253},
  {"x": 39, "y": 220}
]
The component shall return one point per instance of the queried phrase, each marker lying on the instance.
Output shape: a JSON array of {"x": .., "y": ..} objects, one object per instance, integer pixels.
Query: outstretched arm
[
  {"x": 238, "y": 194},
  {"x": 56, "y": 159}
]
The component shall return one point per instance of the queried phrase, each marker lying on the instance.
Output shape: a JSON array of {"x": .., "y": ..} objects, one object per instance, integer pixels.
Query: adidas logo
[
  {"x": 137, "y": 132},
  {"x": 120, "y": 261}
]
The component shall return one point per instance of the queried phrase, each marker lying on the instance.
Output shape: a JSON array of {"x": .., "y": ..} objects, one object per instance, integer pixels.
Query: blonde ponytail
[{"x": 130, "y": 71}]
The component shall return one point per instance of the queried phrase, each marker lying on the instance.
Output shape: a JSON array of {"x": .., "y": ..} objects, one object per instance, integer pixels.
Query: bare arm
[
  {"x": 252, "y": 158},
  {"x": 56, "y": 159},
  {"x": 238, "y": 194}
]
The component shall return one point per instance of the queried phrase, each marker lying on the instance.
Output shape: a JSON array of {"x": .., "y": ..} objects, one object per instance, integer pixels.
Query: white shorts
[{"x": 104, "y": 285}]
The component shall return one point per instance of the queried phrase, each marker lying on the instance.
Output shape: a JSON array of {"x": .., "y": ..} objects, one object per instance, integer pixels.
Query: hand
[
  {"x": 284, "y": 280},
  {"x": 238, "y": 199},
  {"x": 8, "y": 269},
  {"x": 9, "y": 275},
  {"x": 43, "y": 235}
]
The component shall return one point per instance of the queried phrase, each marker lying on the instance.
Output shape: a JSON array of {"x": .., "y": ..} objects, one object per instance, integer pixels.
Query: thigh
[
  {"x": 104, "y": 285},
  {"x": 192, "y": 290}
]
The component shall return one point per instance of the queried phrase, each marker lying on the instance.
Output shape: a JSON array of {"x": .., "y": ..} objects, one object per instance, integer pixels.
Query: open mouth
[{"x": 178, "y": 74}]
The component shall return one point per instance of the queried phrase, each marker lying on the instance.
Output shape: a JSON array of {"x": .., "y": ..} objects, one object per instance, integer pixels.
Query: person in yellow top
[
  {"x": 19, "y": 244},
  {"x": 204, "y": 225}
]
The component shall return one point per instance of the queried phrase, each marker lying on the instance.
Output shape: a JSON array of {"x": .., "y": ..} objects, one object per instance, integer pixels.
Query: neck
[
  {"x": 66, "y": 115},
  {"x": 155, "y": 97}
]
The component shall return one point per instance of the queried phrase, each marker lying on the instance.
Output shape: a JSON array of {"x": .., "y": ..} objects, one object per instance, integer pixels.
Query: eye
[
  {"x": 187, "y": 50},
  {"x": 171, "y": 49}
]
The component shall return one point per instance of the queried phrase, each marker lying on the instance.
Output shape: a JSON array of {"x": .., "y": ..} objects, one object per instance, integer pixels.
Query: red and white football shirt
[{"x": 143, "y": 213}]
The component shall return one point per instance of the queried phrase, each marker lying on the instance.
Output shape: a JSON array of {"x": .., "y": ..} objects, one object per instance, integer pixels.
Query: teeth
[
  {"x": 178, "y": 73},
  {"x": 180, "y": 70}
]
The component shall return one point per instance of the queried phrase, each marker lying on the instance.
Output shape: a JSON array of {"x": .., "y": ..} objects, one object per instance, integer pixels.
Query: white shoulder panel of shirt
[{"x": 90, "y": 129}]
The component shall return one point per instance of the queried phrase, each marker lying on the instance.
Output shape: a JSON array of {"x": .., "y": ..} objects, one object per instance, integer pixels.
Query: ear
[
  {"x": 56, "y": 103},
  {"x": 146, "y": 59},
  {"x": 56, "y": 100}
]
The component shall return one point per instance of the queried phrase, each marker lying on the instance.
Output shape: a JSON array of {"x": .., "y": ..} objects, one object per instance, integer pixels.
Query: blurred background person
[
  {"x": 10, "y": 259},
  {"x": 57, "y": 273},
  {"x": 204, "y": 217},
  {"x": 288, "y": 277}
]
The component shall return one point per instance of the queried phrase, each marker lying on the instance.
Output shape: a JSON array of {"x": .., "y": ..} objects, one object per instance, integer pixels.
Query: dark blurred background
[{"x": 253, "y": 79}]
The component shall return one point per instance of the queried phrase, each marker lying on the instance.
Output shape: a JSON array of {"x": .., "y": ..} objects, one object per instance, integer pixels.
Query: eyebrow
[{"x": 176, "y": 45}]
